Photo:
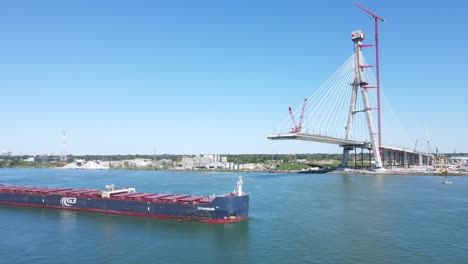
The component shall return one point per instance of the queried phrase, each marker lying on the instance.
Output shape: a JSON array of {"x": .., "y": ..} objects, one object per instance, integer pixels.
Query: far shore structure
[
  {"x": 198, "y": 162},
  {"x": 453, "y": 166}
]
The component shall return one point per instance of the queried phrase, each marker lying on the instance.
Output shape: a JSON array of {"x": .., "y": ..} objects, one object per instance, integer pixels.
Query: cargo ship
[{"x": 229, "y": 207}]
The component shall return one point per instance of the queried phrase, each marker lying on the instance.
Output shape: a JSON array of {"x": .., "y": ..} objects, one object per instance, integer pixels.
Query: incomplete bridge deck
[
  {"x": 387, "y": 151},
  {"x": 320, "y": 138}
]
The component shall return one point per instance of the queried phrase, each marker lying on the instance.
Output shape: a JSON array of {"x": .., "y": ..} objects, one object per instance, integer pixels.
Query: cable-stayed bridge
[{"x": 344, "y": 111}]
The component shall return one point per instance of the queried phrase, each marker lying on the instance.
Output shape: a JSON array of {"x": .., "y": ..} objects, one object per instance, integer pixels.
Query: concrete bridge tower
[{"x": 360, "y": 84}]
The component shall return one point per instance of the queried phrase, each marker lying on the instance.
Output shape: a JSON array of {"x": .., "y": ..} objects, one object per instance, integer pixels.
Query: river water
[{"x": 294, "y": 218}]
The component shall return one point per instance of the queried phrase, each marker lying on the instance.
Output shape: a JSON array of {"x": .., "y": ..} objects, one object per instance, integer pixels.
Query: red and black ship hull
[{"x": 219, "y": 209}]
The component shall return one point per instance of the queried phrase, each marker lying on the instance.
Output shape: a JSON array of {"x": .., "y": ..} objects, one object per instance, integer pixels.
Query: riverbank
[
  {"x": 350, "y": 171},
  {"x": 398, "y": 172}
]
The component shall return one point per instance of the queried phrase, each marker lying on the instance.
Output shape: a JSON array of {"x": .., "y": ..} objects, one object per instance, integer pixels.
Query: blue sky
[{"x": 215, "y": 76}]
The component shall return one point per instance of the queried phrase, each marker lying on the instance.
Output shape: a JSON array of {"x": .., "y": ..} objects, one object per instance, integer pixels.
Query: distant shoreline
[{"x": 348, "y": 171}]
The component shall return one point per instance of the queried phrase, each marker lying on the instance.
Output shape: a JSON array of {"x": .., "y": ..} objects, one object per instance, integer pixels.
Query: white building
[
  {"x": 196, "y": 162},
  {"x": 459, "y": 160},
  {"x": 206, "y": 161}
]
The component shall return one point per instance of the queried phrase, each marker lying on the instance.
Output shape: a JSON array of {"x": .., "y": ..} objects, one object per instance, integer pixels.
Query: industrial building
[
  {"x": 459, "y": 160},
  {"x": 207, "y": 162}
]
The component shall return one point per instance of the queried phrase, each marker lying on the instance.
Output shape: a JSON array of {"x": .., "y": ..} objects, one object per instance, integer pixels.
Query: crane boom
[
  {"x": 301, "y": 120},
  {"x": 370, "y": 12},
  {"x": 292, "y": 118},
  {"x": 415, "y": 145}
]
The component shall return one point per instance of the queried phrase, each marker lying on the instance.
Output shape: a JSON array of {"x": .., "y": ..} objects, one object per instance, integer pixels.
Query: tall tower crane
[{"x": 377, "y": 69}]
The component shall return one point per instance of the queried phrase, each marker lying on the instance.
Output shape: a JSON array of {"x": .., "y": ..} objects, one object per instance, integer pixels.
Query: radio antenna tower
[{"x": 63, "y": 151}]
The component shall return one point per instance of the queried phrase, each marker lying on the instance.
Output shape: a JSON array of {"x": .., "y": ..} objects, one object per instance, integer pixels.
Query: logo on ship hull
[{"x": 68, "y": 201}]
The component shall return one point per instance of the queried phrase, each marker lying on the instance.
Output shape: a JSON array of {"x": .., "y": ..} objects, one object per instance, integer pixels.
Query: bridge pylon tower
[{"x": 359, "y": 84}]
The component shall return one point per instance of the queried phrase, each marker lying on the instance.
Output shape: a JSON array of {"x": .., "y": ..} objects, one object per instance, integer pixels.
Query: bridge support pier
[
  {"x": 345, "y": 157},
  {"x": 405, "y": 159}
]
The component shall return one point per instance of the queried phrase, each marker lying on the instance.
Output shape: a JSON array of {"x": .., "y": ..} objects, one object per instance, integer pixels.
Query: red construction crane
[
  {"x": 298, "y": 127},
  {"x": 293, "y": 120},
  {"x": 377, "y": 68}
]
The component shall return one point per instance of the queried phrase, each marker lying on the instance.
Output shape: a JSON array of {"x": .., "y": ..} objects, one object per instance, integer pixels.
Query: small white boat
[{"x": 446, "y": 181}]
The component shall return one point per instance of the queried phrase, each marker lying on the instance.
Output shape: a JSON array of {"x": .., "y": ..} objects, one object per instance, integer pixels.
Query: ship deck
[{"x": 96, "y": 194}]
